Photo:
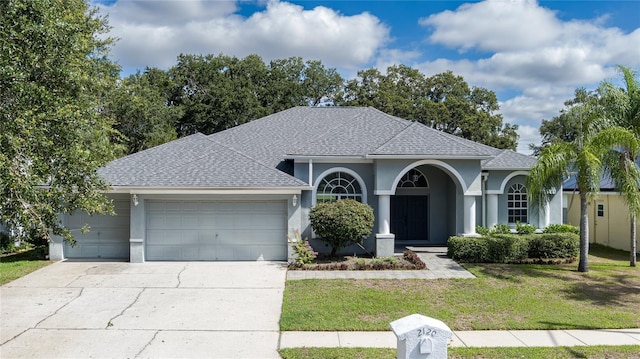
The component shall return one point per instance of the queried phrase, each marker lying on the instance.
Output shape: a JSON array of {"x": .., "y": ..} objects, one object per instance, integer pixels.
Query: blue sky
[{"x": 533, "y": 54}]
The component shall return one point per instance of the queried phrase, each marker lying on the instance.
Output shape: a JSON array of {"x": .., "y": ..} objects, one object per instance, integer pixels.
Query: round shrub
[{"x": 341, "y": 223}]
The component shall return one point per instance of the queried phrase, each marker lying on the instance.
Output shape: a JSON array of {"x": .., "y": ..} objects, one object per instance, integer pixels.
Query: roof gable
[
  {"x": 420, "y": 140},
  {"x": 358, "y": 135}
]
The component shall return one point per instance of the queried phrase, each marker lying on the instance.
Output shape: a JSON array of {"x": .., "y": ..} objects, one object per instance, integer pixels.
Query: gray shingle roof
[
  {"x": 192, "y": 162},
  {"x": 253, "y": 155},
  {"x": 420, "y": 140},
  {"x": 510, "y": 160}
]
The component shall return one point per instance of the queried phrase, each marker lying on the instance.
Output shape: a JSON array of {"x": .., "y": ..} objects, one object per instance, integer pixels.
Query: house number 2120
[{"x": 426, "y": 332}]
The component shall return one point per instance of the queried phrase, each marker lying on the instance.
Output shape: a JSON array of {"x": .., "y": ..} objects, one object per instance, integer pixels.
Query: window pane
[{"x": 338, "y": 185}]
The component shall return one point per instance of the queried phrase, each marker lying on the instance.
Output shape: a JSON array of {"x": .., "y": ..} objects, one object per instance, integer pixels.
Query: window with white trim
[
  {"x": 338, "y": 185},
  {"x": 517, "y": 204},
  {"x": 600, "y": 209}
]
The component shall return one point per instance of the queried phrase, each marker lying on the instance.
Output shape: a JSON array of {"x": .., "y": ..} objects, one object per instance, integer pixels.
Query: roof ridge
[
  {"x": 328, "y": 131},
  {"x": 409, "y": 125},
  {"x": 140, "y": 153},
  {"x": 260, "y": 163},
  {"x": 398, "y": 119},
  {"x": 181, "y": 163},
  {"x": 464, "y": 141}
]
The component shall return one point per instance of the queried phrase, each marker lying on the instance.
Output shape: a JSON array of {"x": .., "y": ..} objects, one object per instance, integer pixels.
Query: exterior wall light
[
  {"x": 134, "y": 198},
  {"x": 294, "y": 200}
]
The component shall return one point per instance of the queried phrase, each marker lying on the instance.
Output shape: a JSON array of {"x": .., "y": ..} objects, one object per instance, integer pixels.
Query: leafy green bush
[
  {"x": 304, "y": 253},
  {"x": 468, "y": 249},
  {"x": 507, "y": 248},
  {"x": 525, "y": 228},
  {"x": 561, "y": 228},
  {"x": 7, "y": 244},
  {"x": 341, "y": 223},
  {"x": 500, "y": 229},
  {"x": 511, "y": 248},
  {"x": 482, "y": 230},
  {"x": 554, "y": 245}
]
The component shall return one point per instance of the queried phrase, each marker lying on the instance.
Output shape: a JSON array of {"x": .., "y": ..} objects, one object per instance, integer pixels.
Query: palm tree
[
  {"x": 587, "y": 156},
  {"x": 622, "y": 106}
]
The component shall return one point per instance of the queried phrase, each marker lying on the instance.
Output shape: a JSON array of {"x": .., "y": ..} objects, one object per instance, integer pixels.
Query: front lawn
[
  {"x": 14, "y": 266},
  {"x": 609, "y": 352},
  {"x": 501, "y": 297}
]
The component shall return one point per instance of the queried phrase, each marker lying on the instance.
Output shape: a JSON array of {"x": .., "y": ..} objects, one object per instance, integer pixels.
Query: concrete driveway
[{"x": 148, "y": 310}]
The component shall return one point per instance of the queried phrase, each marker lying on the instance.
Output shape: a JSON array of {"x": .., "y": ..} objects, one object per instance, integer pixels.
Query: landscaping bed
[{"x": 408, "y": 261}]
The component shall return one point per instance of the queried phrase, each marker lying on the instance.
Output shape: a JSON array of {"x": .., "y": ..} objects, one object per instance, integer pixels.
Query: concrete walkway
[
  {"x": 438, "y": 266},
  {"x": 481, "y": 338}
]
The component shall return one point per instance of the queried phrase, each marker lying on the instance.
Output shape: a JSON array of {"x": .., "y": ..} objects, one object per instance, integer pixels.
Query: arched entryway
[
  {"x": 425, "y": 204},
  {"x": 410, "y": 208}
]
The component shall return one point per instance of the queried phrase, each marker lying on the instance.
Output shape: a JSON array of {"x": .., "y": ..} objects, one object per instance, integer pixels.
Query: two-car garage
[
  {"x": 198, "y": 230},
  {"x": 187, "y": 230}
]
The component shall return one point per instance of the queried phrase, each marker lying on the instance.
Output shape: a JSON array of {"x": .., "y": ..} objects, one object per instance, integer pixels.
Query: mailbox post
[{"x": 421, "y": 337}]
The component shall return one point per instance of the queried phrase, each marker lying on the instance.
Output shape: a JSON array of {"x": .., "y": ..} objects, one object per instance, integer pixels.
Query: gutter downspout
[{"x": 310, "y": 172}]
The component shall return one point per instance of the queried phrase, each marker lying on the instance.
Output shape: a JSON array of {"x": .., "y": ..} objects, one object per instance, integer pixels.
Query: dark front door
[{"x": 409, "y": 218}]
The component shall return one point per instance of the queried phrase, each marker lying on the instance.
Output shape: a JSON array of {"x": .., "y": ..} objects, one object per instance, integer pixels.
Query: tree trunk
[
  {"x": 583, "y": 264},
  {"x": 632, "y": 247}
]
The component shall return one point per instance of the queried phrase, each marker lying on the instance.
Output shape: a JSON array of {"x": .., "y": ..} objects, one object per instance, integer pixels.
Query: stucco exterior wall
[
  {"x": 466, "y": 173},
  {"x": 612, "y": 229},
  {"x": 364, "y": 171}
]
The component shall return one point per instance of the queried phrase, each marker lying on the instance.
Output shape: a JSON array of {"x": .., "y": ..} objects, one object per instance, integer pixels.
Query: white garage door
[
  {"x": 108, "y": 236},
  {"x": 179, "y": 230}
]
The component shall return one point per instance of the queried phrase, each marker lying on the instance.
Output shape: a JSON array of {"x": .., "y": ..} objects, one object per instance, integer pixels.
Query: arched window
[
  {"x": 517, "y": 204},
  {"x": 412, "y": 179},
  {"x": 338, "y": 185}
]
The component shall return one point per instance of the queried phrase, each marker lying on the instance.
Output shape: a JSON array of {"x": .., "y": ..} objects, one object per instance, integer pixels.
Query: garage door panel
[
  {"x": 265, "y": 221},
  {"x": 83, "y": 250},
  {"x": 108, "y": 236},
  {"x": 224, "y": 230}
]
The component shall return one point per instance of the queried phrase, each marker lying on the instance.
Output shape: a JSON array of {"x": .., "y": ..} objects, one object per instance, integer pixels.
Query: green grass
[
  {"x": 501, "y": 297},
  {"x": 17, "y": 265},
  {"x": 610, "y": 352}
]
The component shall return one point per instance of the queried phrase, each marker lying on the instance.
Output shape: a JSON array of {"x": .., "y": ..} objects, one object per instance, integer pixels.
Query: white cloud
[
  {"x": 153, "y": 33},
  {"x": 494, "y": 25},
  {"x": 530, "y": 52},
  {"x": 529, "y": 45},
  {"x": 528, "y": 135}
]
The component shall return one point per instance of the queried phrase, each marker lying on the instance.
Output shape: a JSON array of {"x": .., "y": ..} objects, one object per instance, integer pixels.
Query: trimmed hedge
[{"x": 512, "y": 248}]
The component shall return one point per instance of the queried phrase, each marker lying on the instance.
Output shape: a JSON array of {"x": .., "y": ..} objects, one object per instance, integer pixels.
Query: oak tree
[{"x": 54, "y": 77}]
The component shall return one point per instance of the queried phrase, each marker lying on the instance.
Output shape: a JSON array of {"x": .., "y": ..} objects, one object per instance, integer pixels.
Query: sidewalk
[{"x": 480, "y": 338}]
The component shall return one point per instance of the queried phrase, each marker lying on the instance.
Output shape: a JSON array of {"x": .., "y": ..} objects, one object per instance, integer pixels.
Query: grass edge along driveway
[
  {"x": 18, "y": 265},
  {"x": 610, "y": 352},
  {"x": 502, "y": 297}
]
